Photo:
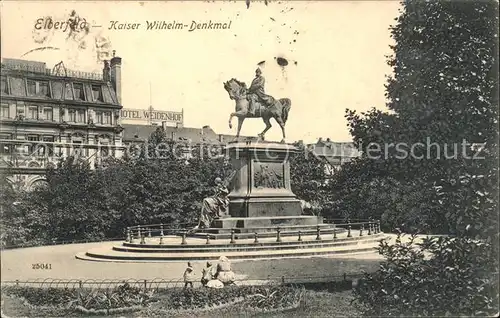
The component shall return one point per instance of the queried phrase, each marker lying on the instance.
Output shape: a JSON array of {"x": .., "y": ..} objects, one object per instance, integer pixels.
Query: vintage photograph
[{"x": 249, "y": 158}]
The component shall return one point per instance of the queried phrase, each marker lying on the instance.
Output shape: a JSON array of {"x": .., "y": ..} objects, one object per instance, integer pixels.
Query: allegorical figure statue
[
  {"x": 215, "y": 206},
  {"x": 256, "y": 93}
]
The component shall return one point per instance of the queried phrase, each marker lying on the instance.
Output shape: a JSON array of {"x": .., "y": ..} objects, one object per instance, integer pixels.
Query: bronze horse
[{"x": 278, "y": 109}]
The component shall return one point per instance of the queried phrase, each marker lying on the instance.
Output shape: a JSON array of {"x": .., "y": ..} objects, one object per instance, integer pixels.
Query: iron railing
[
  {"x": 158, "y": 283},
  {"x": 368, "y": 227}
]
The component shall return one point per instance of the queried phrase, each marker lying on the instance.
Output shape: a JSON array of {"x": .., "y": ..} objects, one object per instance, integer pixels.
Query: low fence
[
  {"x": 138, "y": 233},
  {"x": 362, "y": 227},
  {"x": 157, "y": 283}
]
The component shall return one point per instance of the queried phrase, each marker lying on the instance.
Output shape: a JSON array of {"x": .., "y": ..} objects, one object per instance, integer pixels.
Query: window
[
  {"x": 77, "y": 148},
  {"x": 80, "y": 116},
  {"x": 34, "y": 147},
  {"x": 97, "y": 93},
  {"x": 5, "y": 88},
  {"x": 5, "y": 148},
  {"x": 5, "y": 111},
  {"x": 38, "y": 88},
  {"x": 78, "y": 88},
  {"x": 72, "y": 115},
  {"x": 47, "y": 113},
  {"x": 106, "y": 119},
  {"x": 31, "y": 88},
  {"x": 68, "y": 94},
  {"x": 32, "y": 113},
  {"x": 43, "y": 89},
  {"x": 48, "y": 149},
  {"x": 103, "y": 118},
  {"x": 76, "y": 115}
]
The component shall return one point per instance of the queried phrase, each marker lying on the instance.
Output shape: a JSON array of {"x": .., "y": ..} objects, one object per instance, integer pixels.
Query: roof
[
  {"x": 206, "y": 134},
  {"x": 332, "y": 150},
  {"x": 56, "y": 84}
]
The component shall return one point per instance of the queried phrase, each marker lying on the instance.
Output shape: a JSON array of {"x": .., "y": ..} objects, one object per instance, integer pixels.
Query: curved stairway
[{"x": 170, "y": 248}]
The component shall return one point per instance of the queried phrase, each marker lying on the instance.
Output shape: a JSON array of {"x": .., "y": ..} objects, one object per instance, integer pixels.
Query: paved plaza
[{"x": 18, "y": 264}]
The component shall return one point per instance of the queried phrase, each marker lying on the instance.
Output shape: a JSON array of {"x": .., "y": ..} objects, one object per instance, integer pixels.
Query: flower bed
[{"x": 128, "y": 299}]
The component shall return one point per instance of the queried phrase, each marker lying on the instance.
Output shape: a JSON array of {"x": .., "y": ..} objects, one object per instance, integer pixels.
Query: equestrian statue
[{"x": 253, "y": 102}]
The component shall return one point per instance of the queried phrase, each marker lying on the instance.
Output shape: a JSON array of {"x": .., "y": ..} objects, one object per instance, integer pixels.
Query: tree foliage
[
  {"x": 163, "y": 182},
  {"x": 443, "y": 112}
]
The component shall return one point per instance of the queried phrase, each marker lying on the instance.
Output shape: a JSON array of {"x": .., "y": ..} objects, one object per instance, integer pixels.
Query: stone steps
[
  {"x": 196, "y": 250},
  {"x": 308, "y": 242}
]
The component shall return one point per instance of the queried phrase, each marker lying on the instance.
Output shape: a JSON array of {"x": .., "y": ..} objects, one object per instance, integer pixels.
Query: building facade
[
  {"x": 334, "y": 153},
  {"x": 50, "y": 114}
]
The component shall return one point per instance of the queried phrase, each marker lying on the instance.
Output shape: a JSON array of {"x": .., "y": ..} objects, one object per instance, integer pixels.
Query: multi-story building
[
  {"x": 334, "y": 153},
  {"x": 49, "y": 114}
]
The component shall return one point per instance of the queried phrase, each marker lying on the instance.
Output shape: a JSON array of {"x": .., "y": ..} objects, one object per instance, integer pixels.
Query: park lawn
[
  {"x": 317, "y": 304},
  {"x": 306, "y": 267}
]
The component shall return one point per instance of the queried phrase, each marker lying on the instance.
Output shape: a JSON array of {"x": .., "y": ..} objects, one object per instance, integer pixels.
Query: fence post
[
  {"x": 334, "y": 231},
  {"x": 161, "y": 230},
  {"x": 80, "y": 284},
  {"x": 161, "y": 240},
  {"x": 208, "y": 239},
  {"x": 139, "y": 234},
  {"x": 142, "y": 239},
  {"x": 361, "y": 230},
  {"x": 318, "y": 233},
  {"x": 183, "y": 242},
  {"x": 370, "y": 228},
  {"x": 349, "y": 228},
  {"x": 145, "y": 285},
  {"x": 300, "y": 236},
  {"x": 378, "y": 226},
  {"x": 149, "y": 232},
  {"x": 232, "y": 237},
  {"x": 278, "y": 234},
  {"x": 256, "y": 235}
]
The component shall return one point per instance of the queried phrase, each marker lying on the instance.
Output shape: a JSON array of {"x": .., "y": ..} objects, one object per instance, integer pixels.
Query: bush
[{"x": 439, "y": 277}]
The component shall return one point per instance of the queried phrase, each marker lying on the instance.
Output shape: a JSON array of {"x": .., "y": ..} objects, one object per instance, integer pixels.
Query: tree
[
  {"x": 308, "y": 177},
  {"x": 444, "y": 90}
]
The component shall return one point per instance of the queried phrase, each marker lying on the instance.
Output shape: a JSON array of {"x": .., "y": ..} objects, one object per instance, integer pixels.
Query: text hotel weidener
[{"x": 170, "y": 25}]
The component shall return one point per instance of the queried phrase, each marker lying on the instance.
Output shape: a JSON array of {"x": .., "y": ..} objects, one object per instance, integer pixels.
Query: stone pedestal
[{"x": 261, "y": 195}]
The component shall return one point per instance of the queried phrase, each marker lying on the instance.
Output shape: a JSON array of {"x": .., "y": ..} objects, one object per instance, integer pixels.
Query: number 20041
[{"x": 41, "y": 266}]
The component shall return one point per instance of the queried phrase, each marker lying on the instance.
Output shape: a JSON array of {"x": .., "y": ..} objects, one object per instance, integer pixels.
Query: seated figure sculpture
[{"x": 215, "y": 206}]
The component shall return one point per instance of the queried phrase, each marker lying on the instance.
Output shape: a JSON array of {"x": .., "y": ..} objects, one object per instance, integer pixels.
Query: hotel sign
[{"x": 152, "y": 115}]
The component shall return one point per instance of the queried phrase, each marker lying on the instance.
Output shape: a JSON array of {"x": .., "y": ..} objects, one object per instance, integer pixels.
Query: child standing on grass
[{"x": 189, "y": 276}]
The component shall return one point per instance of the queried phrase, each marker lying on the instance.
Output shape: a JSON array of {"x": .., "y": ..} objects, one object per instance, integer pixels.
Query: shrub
[{"x": 440, "y": 276}]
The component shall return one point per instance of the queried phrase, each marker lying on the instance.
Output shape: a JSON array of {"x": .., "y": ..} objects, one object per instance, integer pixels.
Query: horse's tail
[{"x": 287, "y": 104}]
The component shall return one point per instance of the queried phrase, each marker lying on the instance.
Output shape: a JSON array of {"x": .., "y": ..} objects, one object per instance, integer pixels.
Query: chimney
[
  {"x": 116, "y": 76},
  {"x": 221, "y": 138},
  {"x": 106, "y": 71}
]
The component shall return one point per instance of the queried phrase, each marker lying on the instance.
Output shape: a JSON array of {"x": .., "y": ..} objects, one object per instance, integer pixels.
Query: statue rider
[{"x": 256, "y": 93}]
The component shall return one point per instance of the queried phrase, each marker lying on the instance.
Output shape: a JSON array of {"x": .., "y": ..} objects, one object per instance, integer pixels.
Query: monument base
[
  {"x": 255, "y": 207},
  {"x": 265, "y": 224}
]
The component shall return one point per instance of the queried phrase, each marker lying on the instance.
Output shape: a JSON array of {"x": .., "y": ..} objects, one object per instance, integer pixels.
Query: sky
[{"x": 336, "y": 52}]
